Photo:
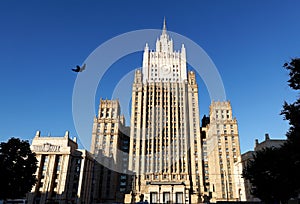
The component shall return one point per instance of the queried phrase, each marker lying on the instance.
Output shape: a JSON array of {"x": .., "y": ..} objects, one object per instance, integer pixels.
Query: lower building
[
  {"x": 65, "y": 174},
  {"x": 245, "y": 158},
  {"x": 267, "y": 143}
]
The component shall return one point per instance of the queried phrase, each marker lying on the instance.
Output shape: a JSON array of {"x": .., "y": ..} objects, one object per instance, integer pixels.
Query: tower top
[
  {"x": 164, "y": 43},
  {"x": 164, "y": 64}
]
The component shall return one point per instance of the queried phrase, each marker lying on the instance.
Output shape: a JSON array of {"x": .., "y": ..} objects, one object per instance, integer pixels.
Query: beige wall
[
  {"x": 109, "y": 148},
  {"x": 64, "y": 173},
  {"x": 223, "y": 152},
  {"x": 165, "y": 143}
]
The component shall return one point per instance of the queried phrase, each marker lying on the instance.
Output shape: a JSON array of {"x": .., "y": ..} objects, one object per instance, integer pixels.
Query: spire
[
  {"x": 164, "y": 27},
  {"x": 38, "y": 133}
]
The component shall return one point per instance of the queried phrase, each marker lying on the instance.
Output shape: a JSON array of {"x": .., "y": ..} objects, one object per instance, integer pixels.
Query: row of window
[
  {"x": 164, "y": 88},
  {"x": 163, "y": 79},
  {"x": 227, "y": 149},
  {"x": 174, "y": 75},
  {"x": 175, "y": 68},
  {"x": 166, "y": 197},
  {"x": 224, "y": 126},
  {"x": 222, "y": 111},
  {"x": 105, "y": 114},
  {"x": 156, "y": 54}
]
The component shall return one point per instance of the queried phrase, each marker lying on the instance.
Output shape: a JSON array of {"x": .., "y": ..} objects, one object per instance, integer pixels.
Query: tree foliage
[
  {"x": 274, "y": 172},
  {"x": 291, "y": 112},
  {"x": 267, "y": 174},
  {"x": 294, "y": 72},
  {"x": 17, "y": 167}
]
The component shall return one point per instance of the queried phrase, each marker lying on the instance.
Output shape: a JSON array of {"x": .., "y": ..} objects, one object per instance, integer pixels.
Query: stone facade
[
  {"x": 168, "y": 158},
  {"x": 64, "y": 173},
  {"x": 110, "y": 148},
  {"x": 221, "y": 155},
  {"x": 165, "y": 152},
  {"x": 268, "y": 143}
]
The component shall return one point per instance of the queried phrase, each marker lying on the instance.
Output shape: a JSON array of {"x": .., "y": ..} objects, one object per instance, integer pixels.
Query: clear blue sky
[{"x": 40, "y": 41}]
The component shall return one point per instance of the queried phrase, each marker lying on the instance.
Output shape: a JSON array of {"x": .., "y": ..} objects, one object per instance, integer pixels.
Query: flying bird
[{"x": 79, "y": 69}]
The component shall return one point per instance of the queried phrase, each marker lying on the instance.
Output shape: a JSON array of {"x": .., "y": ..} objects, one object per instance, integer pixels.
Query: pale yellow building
[
  {"x": 109, "y": 146},
  {"x": 64, "y": 173},
  {"x": 171, "y": 160},
  {"x": 221, "y": 155},
  {"x": 165, "y": 146}
]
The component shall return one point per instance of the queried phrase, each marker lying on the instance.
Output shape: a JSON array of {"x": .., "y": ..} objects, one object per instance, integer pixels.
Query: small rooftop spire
[
  {"x": 164, "y": 27},
  {"x": 38, "y": 133}
]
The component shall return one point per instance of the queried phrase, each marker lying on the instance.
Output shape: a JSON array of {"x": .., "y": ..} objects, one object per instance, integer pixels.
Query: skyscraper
[
  {"x": 169, "y": 159},
  {"x": 165, "y": 145},
  {"x": 110, "y": 148},
  {"x": 221, "y": 154}
]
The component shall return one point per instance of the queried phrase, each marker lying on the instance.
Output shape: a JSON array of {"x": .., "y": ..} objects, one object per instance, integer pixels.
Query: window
[
  {"x": 179, "y": 197},
  {"x": 153, "y": 197},
  {"x": 166, "y": 197}
]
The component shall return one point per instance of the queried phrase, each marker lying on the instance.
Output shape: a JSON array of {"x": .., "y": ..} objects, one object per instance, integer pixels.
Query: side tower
[
  {"x": 165, "y": 152},
  {"x": 221, "y": 151},
  {"x": 110, "y": 148}
]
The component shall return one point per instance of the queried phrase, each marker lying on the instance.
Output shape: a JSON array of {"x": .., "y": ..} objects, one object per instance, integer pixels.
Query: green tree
[
  {"x": 267, "y": 174},
  {"x": 291, "y": 112},
  {"x": 17, "y": 167},
  {"x": 294, "y": 72}
]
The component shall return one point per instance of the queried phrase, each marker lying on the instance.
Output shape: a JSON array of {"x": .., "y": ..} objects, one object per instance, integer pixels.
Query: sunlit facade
[
  {"x": 165, "y": 146},
  {"x": 110, "y": 149},
  {"x": 221, "y": 155},
  {"x": 64, "y": 173}
]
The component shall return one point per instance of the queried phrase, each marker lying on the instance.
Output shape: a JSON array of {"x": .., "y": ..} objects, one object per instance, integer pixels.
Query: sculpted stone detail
[{"x": 47, "y": 147}]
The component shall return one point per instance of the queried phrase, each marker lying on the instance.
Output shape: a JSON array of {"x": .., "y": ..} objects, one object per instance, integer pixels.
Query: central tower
[{"x": 165, "y": 146}]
